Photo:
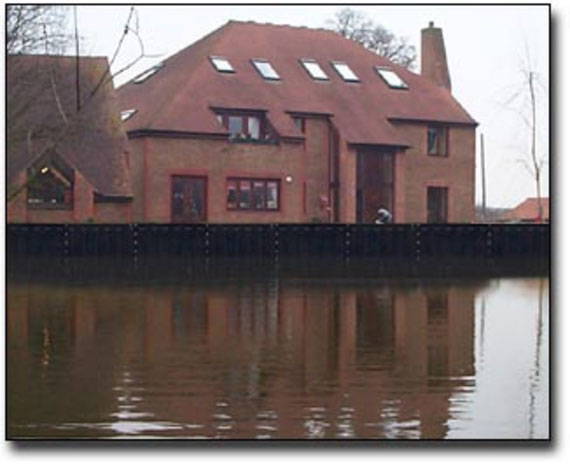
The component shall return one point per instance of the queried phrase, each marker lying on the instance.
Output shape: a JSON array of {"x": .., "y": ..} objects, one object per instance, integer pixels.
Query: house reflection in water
[{"x": 271, "y": 358}]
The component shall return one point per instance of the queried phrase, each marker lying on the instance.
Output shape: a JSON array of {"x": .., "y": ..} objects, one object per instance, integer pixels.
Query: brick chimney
[{"x": 434, "y": 61}]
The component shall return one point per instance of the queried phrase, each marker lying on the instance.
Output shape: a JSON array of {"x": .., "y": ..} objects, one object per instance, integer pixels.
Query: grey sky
[{"x": 486, "y": 48}]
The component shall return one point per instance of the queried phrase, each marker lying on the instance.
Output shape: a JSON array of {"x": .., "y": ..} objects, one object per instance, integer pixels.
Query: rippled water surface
[{"x": 279, "y": 358}]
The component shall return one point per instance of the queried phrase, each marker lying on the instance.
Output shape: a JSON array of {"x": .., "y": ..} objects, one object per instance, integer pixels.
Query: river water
[{"x": 279, "y": 357}]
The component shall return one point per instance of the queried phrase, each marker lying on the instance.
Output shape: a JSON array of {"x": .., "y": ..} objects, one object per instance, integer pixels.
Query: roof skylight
[
  {"x": 147, "y": 74},
  {"x": 126, "y": 114},
  {"x": 265, "y": 69},
  {"x": 314, "y": 69},
  {"x": 222, "y": 64},
  {"x": 344, "y": 71},
  {"x": 391, "y": 78}
]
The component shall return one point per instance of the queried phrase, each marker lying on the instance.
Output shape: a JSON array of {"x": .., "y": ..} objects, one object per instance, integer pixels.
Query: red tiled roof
[
  {"x": 528, "y": 210},
  {"x": 180, "y": 96},
  {"x": 93, "y": 141}
]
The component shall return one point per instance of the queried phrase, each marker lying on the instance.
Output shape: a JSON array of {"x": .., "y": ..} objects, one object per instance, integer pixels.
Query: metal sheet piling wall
[{"x": 274, "y": 241}]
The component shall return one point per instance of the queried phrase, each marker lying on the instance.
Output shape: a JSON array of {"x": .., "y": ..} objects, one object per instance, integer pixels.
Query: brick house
[
  {"x": 67, "y": 152},
  {"x": 265, "y": 123},
  {"x": 528, "y": 211}
]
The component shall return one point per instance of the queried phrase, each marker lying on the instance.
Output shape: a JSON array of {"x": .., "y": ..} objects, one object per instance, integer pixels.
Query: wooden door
[
  {"x": 188, "y": 199},
  {"x": 375, "y": 185}
]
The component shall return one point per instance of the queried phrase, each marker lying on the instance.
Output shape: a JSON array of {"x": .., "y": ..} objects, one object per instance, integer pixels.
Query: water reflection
[{"x": 277, "y": 358}]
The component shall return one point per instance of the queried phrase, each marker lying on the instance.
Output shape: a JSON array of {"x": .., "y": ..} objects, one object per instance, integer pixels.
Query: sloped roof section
[
  {"x": 181, "y": 95},
  {"x": 42, "y": 114},
  {"x": 528, "y": 209}
]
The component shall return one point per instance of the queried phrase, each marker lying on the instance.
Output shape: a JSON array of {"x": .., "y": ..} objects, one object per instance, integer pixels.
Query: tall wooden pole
[{"x": 483, "y": 178}]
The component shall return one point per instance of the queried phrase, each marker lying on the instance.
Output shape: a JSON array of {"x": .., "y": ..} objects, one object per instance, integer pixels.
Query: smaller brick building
[
  {"x": 529, "y": 211},
  {"x": 260, "y": 123},
  {"x": 67, "y": 152}
]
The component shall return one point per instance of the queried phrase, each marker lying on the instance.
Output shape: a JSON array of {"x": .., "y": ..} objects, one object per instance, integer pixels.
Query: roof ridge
[{"x": 281, "y": 25}]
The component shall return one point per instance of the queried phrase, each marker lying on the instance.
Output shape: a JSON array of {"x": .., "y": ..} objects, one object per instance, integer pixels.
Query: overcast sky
[{"x": 487, "y": 47}]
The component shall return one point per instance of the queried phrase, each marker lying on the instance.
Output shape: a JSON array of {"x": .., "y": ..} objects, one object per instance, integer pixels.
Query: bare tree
[
  {"x": 525, "y": 101},
  {"x": 42, "y": 113},
  {"x": 356, "y": 26},
  {"x": 36, "y": 29}
]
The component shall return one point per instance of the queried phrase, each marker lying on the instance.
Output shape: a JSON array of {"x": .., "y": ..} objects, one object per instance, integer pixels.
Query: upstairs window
[
  {"x": 299, "y": 123},
  {"x": 246, "y": 126},
  {"x": 345, "y": 72},
  {"x": 266, "y": 70},
  {"x": 391, "y": 78},
  {"x": 147, "y": 74},
  {"x": 437, "y": 138},
  {"x": 222, "y": 65},
  {"x": 314, "y": 69}
]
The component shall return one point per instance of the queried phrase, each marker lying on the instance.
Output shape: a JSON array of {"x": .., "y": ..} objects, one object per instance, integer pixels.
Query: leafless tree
[
  {"x": 356, "y": 26},
  {"x": 525, "y": 101},
  {"x": 44, "y": 88},
  {"x": 37, "y": 29}
]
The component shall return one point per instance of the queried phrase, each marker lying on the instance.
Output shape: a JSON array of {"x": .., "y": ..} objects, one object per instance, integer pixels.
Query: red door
[
  {"x": 375, "y": 184},
  {"x": 188, "y": 199}
]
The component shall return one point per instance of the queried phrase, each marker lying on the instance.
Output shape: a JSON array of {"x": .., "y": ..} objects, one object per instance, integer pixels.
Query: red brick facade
[
  {"x": 323, "y": 164},
  {"x": 303, "y": 199},
  {"x": 317, "y": 151}
]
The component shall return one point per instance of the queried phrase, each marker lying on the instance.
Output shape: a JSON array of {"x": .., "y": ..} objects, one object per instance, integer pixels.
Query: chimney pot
[{"x": 431, "y": 24}]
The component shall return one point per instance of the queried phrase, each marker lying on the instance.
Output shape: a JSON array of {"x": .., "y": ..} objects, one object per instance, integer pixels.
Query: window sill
[
  {"x": 251, "y": 210},
  {"x": 253, "y": 141},
  {"x": 49, "y": 207}
]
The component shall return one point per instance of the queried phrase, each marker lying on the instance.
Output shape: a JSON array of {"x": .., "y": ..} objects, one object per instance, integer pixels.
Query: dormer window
[
  {"x": 126, "y": 114},
  {"x": 314, "y": 69},
  {"x": 147, "y": 74},
  {"x": 245, "y": 126},
  {"x": 222, "y": 65},
  {"x": 265, "y": 69},
  {"x": 345, "y": 71},
  {"x": 391, "y": 78}
]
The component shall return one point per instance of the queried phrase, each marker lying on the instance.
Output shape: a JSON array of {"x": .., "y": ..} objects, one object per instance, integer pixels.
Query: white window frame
[
  {"x": 390, "y": 77},
  {"x": 221, "y": 64},
  {"x": 258, "y": 63},
  {"x": 309, "y": 64},
  {"x": 345, "y": 72}
]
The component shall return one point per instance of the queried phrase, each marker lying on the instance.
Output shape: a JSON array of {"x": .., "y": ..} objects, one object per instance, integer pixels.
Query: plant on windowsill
[{"x": 243, "y": 138}]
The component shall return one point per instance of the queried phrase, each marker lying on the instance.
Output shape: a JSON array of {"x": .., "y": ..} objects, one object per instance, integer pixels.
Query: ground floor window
[
  {"x": 437, "y": 201},
  {"x": 252, "y": 194}
]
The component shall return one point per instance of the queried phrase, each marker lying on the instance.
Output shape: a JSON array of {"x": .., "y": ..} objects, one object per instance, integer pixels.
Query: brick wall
[
  {"x": 317, "y": 149},
  {"x": 155, "y": 160},
  {"x": 456, "y": 172},
  {"x": 112, "y": 212},
  {"x": 16, "y": 208},
  {"x": 83, "y": 210}
]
